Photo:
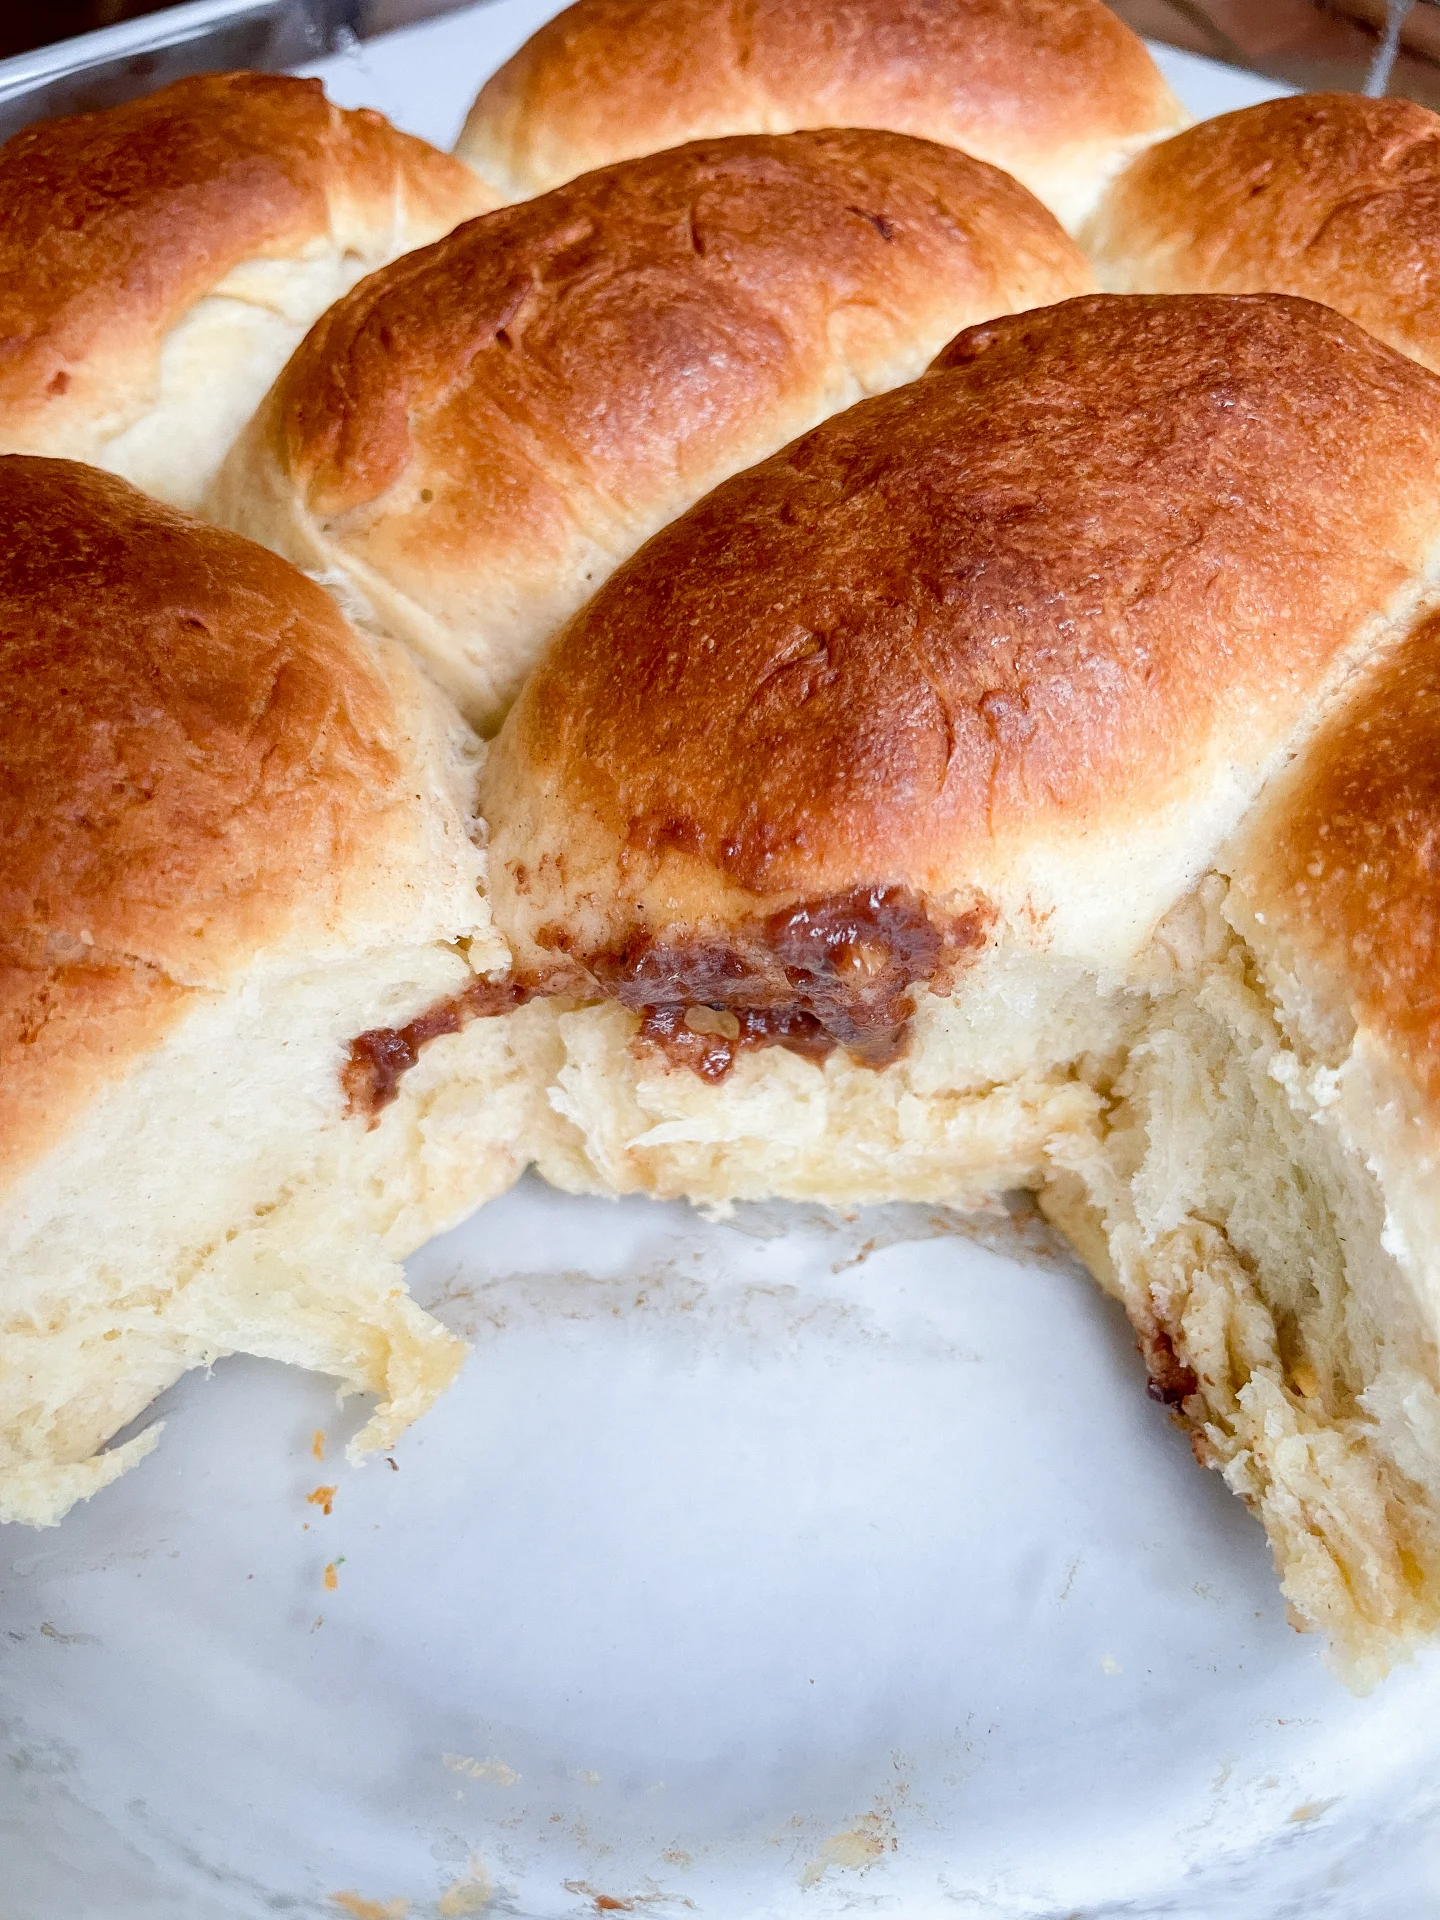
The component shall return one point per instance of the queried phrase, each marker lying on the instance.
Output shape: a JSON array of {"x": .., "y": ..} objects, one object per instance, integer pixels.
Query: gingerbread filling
[
  {"x": 841, "y": 971},
  {"x": 379, "y": 1059}
]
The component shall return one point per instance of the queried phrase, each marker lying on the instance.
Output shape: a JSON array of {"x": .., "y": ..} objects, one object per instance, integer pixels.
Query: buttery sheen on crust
[
  {"x": 233, "y": 834},
  {"x": 1057, "y": 92},
  {"x": 473, "y": 439},
  {"x": 1327, "y": 195},
  {"x": 1022, "y": 638},
  {"x": 159, "y": 261}
]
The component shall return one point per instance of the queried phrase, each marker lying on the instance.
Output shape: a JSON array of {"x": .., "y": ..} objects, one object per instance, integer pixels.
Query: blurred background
[
  {"x": 1310, "y": 43},
  {"x": 26, "y": 24}
]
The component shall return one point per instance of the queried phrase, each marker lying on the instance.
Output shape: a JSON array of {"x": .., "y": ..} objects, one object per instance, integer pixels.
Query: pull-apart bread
[
  {"x": 1327, "y": 195},
  {"x": 159, "y": 261},
  {"x": 236, "y": 839},
  {"x": 468, "y": 444},
  {"x": 1057, "y": 92},
  {"x": 852, "y": 803},
  {"x": 1266, "y": 1195},
  {"x": 869, "y": 833}
]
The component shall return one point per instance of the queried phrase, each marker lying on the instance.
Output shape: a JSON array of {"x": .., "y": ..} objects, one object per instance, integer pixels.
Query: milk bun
[
  {"x": 469, "y": 443},
  {"x": 160, "y": 260},
  {"x": 1327, "y": 195},
  {"x": 236, "y": 839},
  {"x": 1057, "y": 92}
]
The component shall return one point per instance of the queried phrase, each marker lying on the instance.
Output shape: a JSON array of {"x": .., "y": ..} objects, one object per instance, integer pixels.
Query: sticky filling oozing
[
  {"x": 379, "y": 1059},
  {"x": 839, "y": 971}
]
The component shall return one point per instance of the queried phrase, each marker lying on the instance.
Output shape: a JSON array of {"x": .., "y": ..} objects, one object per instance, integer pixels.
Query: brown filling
[
  {"x": 1170, "y": 1381},
  {"x": 378, "y": 1059},
  {"x": 839, "y": 971},
  {"x": 836, "y": 972},
  {"x": 688, "y": 1039}
]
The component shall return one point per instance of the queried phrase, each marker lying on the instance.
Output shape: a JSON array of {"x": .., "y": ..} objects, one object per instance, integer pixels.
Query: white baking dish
[{"x": 776, "y": 1567}]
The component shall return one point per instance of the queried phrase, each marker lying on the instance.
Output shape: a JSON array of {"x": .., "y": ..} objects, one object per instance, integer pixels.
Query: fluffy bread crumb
[
  {"x": 1233, "y": 1202},
  {"x": 991, "y": 1076}
]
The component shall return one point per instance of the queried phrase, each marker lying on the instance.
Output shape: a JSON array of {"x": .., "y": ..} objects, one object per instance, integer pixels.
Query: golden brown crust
[
  {"x": 113, "y": 224},
  {"x": 1328, "y": 195},
  {"x": 1070, "y": 586},
  {"x": 1344, "y": 864},
  {"x": 1030, "y": 86},
  {"x": 643, "y": 312},
  {"x": 489, "y": 420},
  {"x": 193, "y": 747}
]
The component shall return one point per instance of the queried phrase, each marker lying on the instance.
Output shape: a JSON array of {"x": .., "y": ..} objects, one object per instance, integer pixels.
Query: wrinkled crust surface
[
  {"x": 1096, "y": 566},
  {"x": 636, "y": 314},
  {"x": 1026, "y": 86},
  {"x": 114, "y": 224},
  {"x": 484, "y": 429},
  {"x": 1328, "y": 195}
]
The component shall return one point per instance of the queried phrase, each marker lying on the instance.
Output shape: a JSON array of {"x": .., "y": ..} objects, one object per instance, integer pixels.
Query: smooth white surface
[
  {"x": 774, "y": 1568},
  {"x": 742, "y": 1568}
]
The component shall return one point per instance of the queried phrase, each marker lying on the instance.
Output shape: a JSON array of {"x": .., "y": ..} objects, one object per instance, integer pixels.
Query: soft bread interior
[
  {"x": 215, "y": 367},
  {"x": 187, "y": 1171},
  {"x": 1240, "y": 1198},
  {"x": 219, "y": 1199},
  {"x": 993, "y": 1072},
  {"x": 1254, "y": 1198}
]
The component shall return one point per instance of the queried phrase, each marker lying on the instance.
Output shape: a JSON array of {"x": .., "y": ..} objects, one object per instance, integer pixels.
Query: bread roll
[
  {"x": 845, "y": 814},
  {"x": 1265, "y": 1199},
  {"x": 472, "y": 440},
  {"x": 235, "y": 839},
  {"x": 1327, "y": 195},
  {"x": 1057, "y": 92},
  {"x": 159, "y": 261}
]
